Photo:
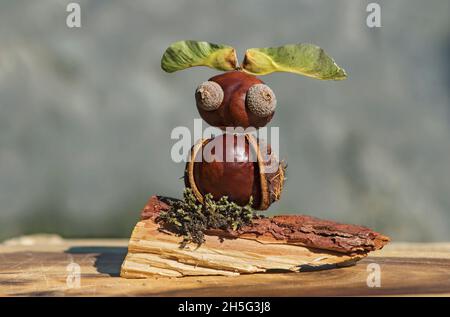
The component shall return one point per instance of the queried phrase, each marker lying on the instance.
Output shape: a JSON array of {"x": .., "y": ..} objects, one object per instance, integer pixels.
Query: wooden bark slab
[
  {"x": 152, "y": 252},
  {"x": 282, "y": 243}
]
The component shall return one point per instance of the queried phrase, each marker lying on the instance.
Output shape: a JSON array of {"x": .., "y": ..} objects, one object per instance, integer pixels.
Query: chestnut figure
[
  {"x": 238, "y": 99},
  {"x": 241, "y": 170},
  {"x": 235, "y": 99}
]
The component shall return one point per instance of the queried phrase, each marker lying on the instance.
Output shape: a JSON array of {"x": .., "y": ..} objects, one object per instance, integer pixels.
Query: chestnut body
[
  {"x": 233, "y": 111},
  {"x": 238, "y": 172}
]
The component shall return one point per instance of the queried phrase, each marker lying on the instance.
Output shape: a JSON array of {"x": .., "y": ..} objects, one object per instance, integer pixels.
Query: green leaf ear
[
  {"x": 304, "y": 59},
  {"x": 184, "y": 54}
]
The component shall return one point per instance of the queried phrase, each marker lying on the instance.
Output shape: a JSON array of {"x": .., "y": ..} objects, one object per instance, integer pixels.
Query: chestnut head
[{"x": 235, "y": 99}]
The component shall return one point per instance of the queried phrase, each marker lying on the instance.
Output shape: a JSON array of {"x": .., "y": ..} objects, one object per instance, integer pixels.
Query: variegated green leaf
[
  {"x": 304, "y": 59},
  {"x": 184, "y": 54}
]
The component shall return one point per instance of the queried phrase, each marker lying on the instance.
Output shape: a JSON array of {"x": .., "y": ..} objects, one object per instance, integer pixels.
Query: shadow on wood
[{"x": 107, "y": 259}]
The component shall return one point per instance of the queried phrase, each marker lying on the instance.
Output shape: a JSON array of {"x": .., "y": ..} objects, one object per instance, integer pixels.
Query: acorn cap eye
[
  {"x": 209, "y": 95},
  {"x": 261, "y": 100}
]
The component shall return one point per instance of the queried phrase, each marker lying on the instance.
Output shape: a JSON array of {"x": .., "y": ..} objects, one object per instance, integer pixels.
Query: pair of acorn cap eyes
[{"x": 259, "y": 98}]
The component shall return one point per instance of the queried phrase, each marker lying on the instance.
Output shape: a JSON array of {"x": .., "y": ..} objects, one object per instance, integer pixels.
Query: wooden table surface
[{"x": 46, "y": 266}]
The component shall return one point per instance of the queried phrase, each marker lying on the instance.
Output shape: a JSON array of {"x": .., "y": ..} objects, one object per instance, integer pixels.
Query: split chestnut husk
[{"x": 237, "y": 166}]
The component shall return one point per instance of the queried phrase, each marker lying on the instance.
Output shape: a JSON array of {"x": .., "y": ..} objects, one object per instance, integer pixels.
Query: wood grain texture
[
  {"x": 38, "y": 267},
  {"x": 153, "y": 252}
]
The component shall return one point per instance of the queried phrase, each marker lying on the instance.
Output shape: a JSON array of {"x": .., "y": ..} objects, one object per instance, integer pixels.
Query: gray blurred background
[{"x": 86, "y": 114}]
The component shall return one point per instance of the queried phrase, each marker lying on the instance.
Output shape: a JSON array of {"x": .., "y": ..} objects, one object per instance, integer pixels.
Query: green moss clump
[{"x": 190, "y": 218}]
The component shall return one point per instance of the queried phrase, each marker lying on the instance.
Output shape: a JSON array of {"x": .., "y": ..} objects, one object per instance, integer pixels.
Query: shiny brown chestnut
[
  {"x": 238, "y": 167},
  {"x": 235, "y": 99}
]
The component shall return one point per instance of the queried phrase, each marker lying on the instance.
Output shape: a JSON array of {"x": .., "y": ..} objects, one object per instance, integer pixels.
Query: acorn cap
[
  {"x": 209, "y": 95},
  {"x": 261, "y": 100}
]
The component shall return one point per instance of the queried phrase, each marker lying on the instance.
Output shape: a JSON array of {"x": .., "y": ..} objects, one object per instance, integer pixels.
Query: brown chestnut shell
[
  {"x": 233, "y": 111},
  {"x": 238, "y": 180}
]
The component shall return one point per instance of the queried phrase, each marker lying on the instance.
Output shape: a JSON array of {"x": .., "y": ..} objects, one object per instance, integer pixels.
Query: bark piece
[
  {"x": 290, "y": 243},
  {"x": 300, "y": 230},
  {"x": 153, "y": 252},
  {"x": 154, "y": 206}
]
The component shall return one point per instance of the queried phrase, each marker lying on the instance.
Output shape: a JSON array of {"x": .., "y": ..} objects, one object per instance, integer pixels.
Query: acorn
[
  {"x": 236, "y": 166},
  {"x": 235, "y": 99}
]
